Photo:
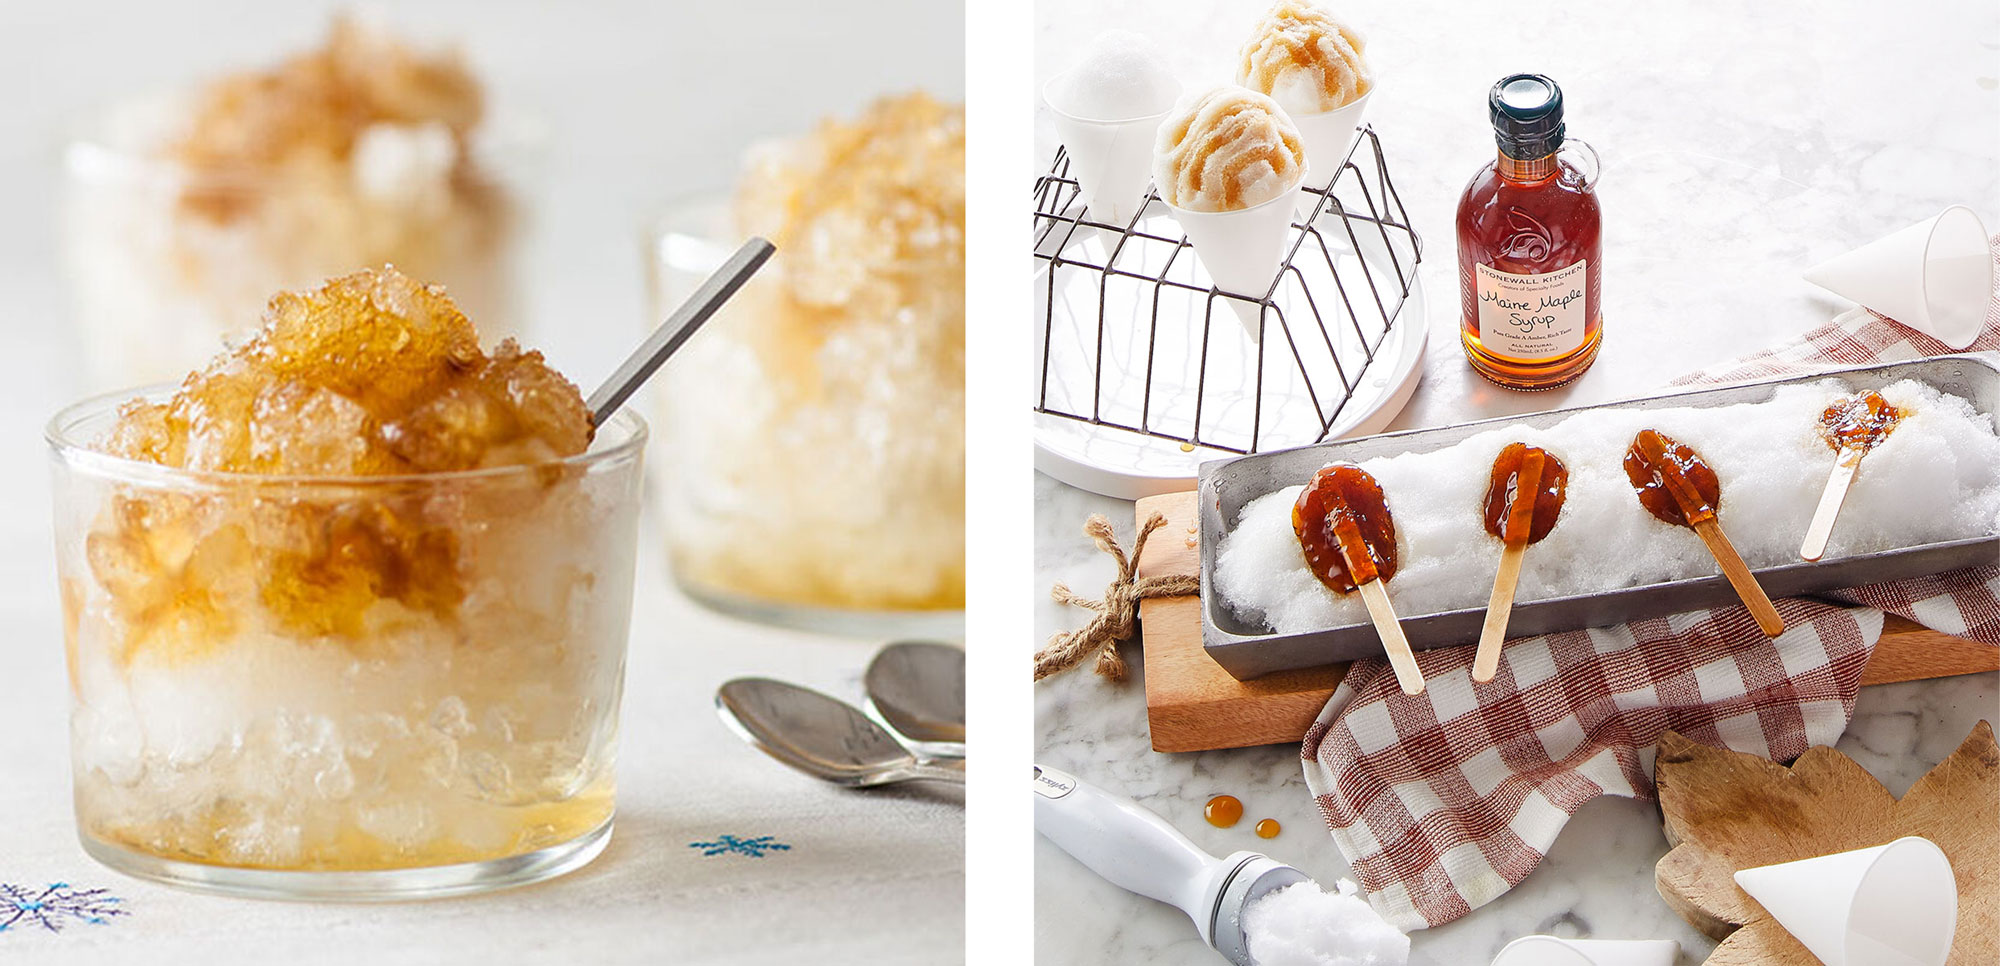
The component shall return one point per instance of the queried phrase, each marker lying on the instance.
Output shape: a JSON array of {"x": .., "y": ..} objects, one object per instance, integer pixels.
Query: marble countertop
[{"x": 1739, "y": 146}]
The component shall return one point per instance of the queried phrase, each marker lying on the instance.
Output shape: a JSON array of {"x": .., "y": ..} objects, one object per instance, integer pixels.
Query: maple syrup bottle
[{"x": 1530, "y": 257}]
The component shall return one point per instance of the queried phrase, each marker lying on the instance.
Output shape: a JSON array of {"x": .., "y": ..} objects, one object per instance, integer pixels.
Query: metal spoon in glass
[
  {"x": 824, "y": 737},
  {"x": 674, "y": 332},
  {"x": 917, "y": 688}
]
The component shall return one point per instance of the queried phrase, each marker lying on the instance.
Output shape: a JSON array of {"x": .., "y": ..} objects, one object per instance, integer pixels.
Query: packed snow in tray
[{"x": 1935, "y": 478}]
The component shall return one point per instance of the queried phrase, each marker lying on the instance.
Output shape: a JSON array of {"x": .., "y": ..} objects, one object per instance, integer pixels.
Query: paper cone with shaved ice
[
  {"x": 1312, "y": 64},
  {"x": 1106, "y": 108},
  {"x": 1229, "y": 164}
]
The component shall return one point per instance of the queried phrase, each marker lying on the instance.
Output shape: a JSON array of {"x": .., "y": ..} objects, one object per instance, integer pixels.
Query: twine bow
[{"x": 1118, "y": 613}]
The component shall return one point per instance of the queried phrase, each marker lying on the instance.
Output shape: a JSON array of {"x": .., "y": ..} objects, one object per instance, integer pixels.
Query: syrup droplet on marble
[{"x": 1223, "y": 811}]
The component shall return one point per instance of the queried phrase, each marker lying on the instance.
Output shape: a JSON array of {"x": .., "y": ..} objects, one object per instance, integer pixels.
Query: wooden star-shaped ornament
[{"x": 1726, "y": 811}]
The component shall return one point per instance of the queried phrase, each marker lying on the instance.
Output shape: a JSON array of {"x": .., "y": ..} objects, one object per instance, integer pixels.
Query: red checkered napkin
[{"x": 1443, "y": 801}]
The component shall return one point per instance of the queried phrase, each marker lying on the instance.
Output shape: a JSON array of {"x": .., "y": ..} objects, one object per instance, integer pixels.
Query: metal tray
[{"x": 1247, "y": 651}]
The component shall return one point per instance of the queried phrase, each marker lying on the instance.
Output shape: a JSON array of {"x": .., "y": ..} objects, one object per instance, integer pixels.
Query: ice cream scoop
[{"x": 1136, "y": 850}]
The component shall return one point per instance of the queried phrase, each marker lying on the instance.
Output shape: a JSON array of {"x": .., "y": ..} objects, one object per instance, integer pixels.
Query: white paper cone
[
  {"x": 1112, "y": 161},
  {"x": 1551, "y": 951},
  {"x": 1249, "y": 313},
  {"x": 1892, "y": 904},
  {"x": 1935, "y": 276},
  {"x": 1327, "y": 137},
  {"x": 1242, "y": 249}
]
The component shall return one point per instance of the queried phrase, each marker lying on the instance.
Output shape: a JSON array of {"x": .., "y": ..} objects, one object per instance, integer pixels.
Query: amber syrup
[{"x": 1530, "y": 248}]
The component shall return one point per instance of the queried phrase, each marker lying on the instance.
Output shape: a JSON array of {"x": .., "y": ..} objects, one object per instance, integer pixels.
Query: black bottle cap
[{"x": 1527, "y": 112}]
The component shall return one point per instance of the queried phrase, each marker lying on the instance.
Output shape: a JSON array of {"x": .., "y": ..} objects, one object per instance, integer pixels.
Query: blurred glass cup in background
[
  {"x": 811, "y": 460},
  {"x": 810, "y": 470},
  {"x": 182, "y": 213}
]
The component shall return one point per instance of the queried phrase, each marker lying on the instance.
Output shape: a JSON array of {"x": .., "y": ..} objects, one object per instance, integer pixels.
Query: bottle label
[{"x": 1531, "y": 316}]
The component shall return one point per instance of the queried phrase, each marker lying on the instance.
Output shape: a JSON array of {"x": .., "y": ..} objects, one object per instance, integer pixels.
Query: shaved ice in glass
[{"x": 345, "y": 612}]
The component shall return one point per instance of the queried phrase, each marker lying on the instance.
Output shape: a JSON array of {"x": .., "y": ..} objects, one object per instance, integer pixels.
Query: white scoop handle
[{"x": 1130, "y": 846}]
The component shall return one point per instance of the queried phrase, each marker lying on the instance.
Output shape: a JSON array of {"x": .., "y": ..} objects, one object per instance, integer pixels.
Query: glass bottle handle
[{"x": 1583, "y": 158}]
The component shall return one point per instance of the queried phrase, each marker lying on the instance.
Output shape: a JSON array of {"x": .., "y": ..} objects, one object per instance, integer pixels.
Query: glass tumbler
[
  {"x": 345, "y": 688},
  {"x": 811, "y": 473},
  {"x": 164, "y": 261}
]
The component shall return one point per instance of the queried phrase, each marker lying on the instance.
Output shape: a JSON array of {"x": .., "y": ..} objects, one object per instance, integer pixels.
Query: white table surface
[
  {"x": 631, "y": 91},
  {"x": 1737, "y": 150}
]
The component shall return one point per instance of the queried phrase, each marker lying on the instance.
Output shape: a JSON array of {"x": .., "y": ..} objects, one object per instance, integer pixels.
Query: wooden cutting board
[{"x": 1192, "y": 704}]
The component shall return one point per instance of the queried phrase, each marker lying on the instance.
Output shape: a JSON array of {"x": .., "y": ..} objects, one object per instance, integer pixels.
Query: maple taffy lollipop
[
  {"x": 1677, "y": 486},
  {"x": 1523, "y": 500},
  {"x": 1343, "y": 525},
  {"x": 1853, "y": 425}
]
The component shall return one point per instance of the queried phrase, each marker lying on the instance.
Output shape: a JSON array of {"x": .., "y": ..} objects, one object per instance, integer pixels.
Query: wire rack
[{"x": 1141, "y": 366}]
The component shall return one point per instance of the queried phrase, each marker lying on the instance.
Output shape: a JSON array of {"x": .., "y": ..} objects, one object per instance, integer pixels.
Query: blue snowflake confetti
[
  {"x": 51, "y": 908},
  {"x": 728, "y": 844}
]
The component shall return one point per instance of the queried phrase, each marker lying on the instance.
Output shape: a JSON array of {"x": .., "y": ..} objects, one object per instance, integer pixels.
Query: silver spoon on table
[
  {"x": 917, "y": 688},
  {"x": 824, "y": 737}
]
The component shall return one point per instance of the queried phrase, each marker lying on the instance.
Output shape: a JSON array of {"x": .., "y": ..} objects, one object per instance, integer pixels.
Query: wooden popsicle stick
[
  {"x": 1390, "y": 630},
  {"x": 1837, "y": 483},
  {"x": 1740, "y": 577},
  {"x": 1516, "y": 532},
  {"x": 1501, "y": 604}
]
